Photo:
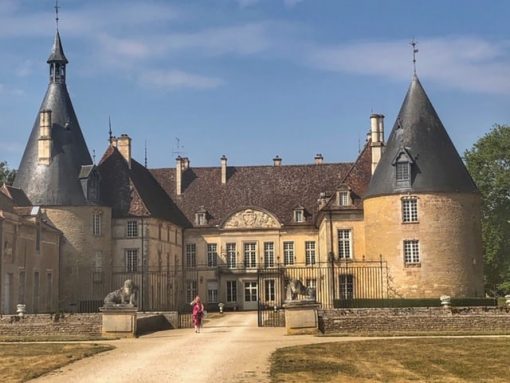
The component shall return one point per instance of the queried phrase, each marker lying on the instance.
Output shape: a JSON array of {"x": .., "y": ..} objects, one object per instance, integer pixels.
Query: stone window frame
[
  {"x": 269, "y": 254},
  {"x": 191, "y": 254},
  {"x": 132, "y": 228},
  {"x": 250, "y": 254},
  {"x": 345, "y": 250},
  {"x": 131, "y": 260},
  {"x": 231, "y": 255},
  {"x": 270, "y": 290},
  {"x": 299, "y": 214},
  {"x": 288, "y": 253},
  {"x": 409, "y": 209},
  {"x": 346, "y": 286},
  {"x": 310, "y": 251},
  {"x": 231, "y": 291},
  {"x": 212, "y": 254},
  {"x": 97, "y": 223},
  {"x": 411, "y": 252}
]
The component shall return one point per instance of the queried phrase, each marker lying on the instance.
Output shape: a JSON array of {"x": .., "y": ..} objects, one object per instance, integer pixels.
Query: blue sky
[{"x": 253, "y": 78}]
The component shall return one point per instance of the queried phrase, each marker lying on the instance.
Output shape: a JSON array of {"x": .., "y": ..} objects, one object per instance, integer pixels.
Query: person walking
[{"x": 198, "y": 313}]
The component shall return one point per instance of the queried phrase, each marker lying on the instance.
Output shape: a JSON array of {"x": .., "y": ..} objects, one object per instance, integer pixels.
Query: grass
[
  {"x": 395, "y": 360},
  {"x": 22, "y": 362}
]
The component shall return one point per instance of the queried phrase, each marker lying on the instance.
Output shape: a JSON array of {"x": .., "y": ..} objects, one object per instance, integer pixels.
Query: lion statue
[
  {"x": 126, "y": 295},
  {"x": 295, "y": 287}
]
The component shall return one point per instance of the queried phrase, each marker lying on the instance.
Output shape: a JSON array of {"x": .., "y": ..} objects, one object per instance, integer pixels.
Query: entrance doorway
[{"x": 250, "y": 295}]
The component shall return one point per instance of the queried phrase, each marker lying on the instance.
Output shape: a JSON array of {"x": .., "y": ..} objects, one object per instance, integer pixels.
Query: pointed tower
[
  {"x": 56, "y": 150},
  {"x": 422, "y": 208},
  {"x": 57, "y": 172}
]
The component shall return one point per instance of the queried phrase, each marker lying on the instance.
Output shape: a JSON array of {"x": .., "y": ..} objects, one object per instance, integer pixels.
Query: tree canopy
[
  {"x": 6, "y": 175},
  {"x": 488, "y": 161}
]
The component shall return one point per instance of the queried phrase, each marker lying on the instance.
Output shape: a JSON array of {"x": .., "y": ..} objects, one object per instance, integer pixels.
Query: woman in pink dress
[{"x": 198, "y": 312}]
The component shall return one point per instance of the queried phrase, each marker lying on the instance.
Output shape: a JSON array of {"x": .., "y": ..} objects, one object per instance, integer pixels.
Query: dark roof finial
[
  {"x": 110, "y": 136},
  {"x": 56, "y": 12},
  {"x": 145, "y": 162},
  {"x": 413, "y": 43}
]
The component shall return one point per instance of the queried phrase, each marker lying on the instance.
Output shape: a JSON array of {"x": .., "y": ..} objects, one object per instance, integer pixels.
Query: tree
[
  {"x": 489, "y": 164},
  {"x": 6, "y": 175}
]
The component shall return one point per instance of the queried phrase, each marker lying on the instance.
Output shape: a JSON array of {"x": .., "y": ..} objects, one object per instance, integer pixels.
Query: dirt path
[{"x": 229, "y": 349}]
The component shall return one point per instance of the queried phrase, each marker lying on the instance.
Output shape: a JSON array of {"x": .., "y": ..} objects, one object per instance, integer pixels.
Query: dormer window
[
  {"x": 201, "y": 217},
  {"x": 343, "y": 196},
  {"x": 403, "y": 162},
  {"x": 299, "y": 214}
]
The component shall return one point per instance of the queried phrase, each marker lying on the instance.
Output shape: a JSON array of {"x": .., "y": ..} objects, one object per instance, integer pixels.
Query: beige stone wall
[
  {"x": 86, "y": 258},
  {"x": 449, "y": 236},
  {"x": 30, "y": 275}
]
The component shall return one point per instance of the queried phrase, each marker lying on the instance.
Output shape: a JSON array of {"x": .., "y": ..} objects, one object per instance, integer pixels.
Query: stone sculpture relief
[
  {"x": 125, "y": 296},
  {"x": 295, "y": 287},
  {"x": 250, "y": 218}
]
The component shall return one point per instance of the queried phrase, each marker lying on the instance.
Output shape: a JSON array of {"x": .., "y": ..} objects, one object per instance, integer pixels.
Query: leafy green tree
[
  {"x": 488, "y": 161},
  {"x": 6, "y": 175}
]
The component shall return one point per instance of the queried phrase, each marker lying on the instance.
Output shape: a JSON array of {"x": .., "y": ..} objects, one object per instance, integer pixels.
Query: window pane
[
  {"x": 288, "y": 253},
  {"x": 344, "y": 244}
]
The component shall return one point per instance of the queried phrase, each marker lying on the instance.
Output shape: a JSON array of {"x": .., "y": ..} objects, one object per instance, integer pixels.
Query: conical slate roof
[
  {"x": 57, "y": 183},
  {"x": 57, "y": 53},
  {"x": 419, "y": 134}
]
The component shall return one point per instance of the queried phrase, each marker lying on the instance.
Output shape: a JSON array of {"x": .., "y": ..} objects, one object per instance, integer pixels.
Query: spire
[
  {"x": 56, "y": 13},
  {"x": 413, "y": 43},
  {"x": 57, "y": 53},
  {"x": 57, "y": 59},
  {"x": 110, "y": 135},
  {"x": 420, "y": 140}
]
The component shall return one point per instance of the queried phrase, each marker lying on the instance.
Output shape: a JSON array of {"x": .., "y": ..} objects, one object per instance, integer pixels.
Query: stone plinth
[
  {"x": 301, "y": 317},
  {"x": 119, "y": 320}
]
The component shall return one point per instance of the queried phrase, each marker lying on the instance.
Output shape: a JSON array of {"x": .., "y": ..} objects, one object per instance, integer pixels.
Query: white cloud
[
  {"x": 466, "y": 63},
  {"x": 176, "y": 79}
]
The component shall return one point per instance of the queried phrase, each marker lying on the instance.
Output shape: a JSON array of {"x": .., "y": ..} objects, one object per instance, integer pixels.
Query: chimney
[
  {"x": 376, "y": 138},
  {"x": 45, "y": 143},
  {"x": 124, "y": 147},
  {"x": 178, "y": 175},
  {"x": 185, "y": 163},
  {"x": 318, "y": 159},
  {"x": 223, "y": 161},
  {"x": 277, "y": 161}
]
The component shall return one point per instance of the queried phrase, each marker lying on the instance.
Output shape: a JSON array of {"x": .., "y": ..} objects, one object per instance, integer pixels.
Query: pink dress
[{"x": 198, "y": 311}]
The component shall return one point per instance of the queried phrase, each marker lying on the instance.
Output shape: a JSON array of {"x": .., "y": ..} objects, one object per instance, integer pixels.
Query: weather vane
[
  {"x": 413, "y": 44},
  {"x": 56, "y": 12}
]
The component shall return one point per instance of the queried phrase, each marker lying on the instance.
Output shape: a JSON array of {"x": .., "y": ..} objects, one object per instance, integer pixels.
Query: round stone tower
[{"x": 422, "y": 209}]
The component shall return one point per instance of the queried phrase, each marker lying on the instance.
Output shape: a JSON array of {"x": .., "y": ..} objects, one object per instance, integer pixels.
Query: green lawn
[
  {"x": 23, "y": 361},
  {"x": 395, "y": 360}
]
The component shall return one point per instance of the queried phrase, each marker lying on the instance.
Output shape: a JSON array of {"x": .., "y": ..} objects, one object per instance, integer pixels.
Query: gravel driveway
[{"x": 229, "y": 349}]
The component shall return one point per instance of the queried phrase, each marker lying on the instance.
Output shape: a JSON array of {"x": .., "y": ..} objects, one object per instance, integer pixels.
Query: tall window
[
  {"x": 212, "y": 292},
  {"x": 21, "y": 287},
  {"x": 231, "y": 291},
  {"x": 49, "y": 292},
  {"x": 410, "y": 210},
  {"x": 403, "y": 174},
  {"x": 269, "y": 291},
  {"x": 191, "y": 255},
  {"x": 231, "y": 255},
  {"x": 344, "y": 244},
  {"x": 288, "y": 253},
  {"x": 132, "y": 229},
  {"x": 250, "y": 255},
  {"x": 310, "y": 252},
  {"x": 191, "y": 289},
  {"x": 346, "y": 287},
  {"x": 411, "y": 252},
  {"x": 35, "y": 296},
  {"x": 97, "y": 219},
  {"x": 268, "y": 254},
  {"x": 212, "y": 255},
  {"x": 131, "y": 260}
]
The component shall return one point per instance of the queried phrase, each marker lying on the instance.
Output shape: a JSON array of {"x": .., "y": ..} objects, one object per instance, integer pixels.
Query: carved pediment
[{"x": 251, "y": 219}]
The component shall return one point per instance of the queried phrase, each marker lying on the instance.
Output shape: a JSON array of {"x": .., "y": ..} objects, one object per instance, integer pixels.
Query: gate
[{"x": 338, "y": 281}]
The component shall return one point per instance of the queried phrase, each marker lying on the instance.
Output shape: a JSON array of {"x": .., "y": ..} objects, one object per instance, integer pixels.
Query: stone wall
[
  {"x": 49, "y": 325},
  {"x": 479, "y": 320}
]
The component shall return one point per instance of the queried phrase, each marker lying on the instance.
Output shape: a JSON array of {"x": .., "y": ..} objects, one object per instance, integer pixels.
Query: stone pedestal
[
  {"x": 301, "y": 317},
  {"x": 119, "y": 320}
]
